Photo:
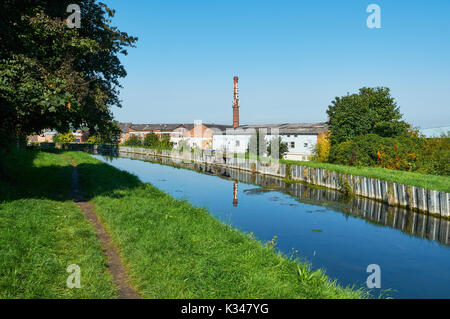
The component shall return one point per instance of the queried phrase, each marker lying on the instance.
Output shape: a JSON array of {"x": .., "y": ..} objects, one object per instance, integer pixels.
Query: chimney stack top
[{"x": 236, "y": 103}]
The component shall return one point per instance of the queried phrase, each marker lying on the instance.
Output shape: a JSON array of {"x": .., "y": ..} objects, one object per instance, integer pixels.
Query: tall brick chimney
[{"x": 236, "y": 103}]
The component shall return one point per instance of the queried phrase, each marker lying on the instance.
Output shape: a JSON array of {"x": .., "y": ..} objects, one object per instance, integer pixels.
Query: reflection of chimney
[
  {"x": 236, "y": 103},
  {"x": 235, "y": 194}
]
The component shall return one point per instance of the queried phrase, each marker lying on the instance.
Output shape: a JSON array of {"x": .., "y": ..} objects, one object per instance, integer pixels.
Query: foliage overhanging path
[{"x": 115, "y": 265}]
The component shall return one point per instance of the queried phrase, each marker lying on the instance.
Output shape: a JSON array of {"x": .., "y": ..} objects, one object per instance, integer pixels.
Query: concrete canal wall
[{"x": 394, "y": 194}]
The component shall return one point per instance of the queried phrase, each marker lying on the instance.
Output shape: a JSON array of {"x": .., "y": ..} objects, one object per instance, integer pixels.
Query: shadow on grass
[{"x": 30, "y": 173}]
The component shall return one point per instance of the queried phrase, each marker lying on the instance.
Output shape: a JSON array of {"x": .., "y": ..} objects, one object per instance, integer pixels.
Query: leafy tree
[
  {"x": 372, "y": 110},
  {"x": 165, "y": 142},
  {"x": 53, "y": 77},
  {"x": 64, "y": 138},
  {"x": 108, "y": 135},
  {"x": 282, "y": 147},
  {"x": 133, "y": 140},
  {"x": 322, "y": 149},
  {"x": 151, "y": 140},
  {"x": 94, "y": 140}
]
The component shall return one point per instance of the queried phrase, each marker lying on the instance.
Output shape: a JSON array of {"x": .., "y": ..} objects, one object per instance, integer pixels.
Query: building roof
[
  {"x": 167, "y": 127},
  {"x": 154, "y": 127},
  {"x": 186, "y": 126},
  {"x": 218, "y": 126},
  {"x": 287, "y": 128},
  {"x": 125, "y": 127}
]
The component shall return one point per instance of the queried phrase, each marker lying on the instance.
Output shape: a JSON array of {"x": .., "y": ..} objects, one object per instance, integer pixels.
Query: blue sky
[{"x": 292, "y": 58}]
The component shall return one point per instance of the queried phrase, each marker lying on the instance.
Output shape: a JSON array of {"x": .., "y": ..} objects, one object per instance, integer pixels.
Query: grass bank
[
  {"x": 42, "y": 232},
  {"x": 433, "y": 182},
  {"x": 175, "y": 250}
]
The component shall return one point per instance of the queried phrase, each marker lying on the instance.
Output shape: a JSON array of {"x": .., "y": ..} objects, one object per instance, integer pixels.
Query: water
[{"x": 340, "y": 236}]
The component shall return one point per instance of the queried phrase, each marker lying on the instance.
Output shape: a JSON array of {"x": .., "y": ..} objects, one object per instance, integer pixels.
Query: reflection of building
[{"x": 235, "y": 193}]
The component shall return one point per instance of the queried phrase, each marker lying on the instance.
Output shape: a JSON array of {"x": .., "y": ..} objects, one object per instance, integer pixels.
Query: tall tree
[
  {"x": 55, "y": 77},
  {"x": 372, "y": 110},
  {"x": 151, "y": 140}
]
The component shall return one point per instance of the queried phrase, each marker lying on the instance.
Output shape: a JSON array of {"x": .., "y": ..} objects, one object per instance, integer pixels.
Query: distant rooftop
[
  {"x": 125, "y": 127},
  {"x": 154, "y": 127},
  {"x": 289, "y": 128}
]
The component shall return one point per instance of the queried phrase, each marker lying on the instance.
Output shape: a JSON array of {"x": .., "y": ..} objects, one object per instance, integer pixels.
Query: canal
[{"x": 342, "y": 236}]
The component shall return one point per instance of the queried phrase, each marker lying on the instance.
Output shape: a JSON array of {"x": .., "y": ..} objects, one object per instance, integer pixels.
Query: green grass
[
  {"x": 42, "y": 232},
  {"x": 175, "y": 250},
  {"x": 433, "y": 182}
]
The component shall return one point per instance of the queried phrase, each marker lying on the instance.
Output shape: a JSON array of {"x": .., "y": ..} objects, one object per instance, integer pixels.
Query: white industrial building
[{"x": 301, "y": 138}]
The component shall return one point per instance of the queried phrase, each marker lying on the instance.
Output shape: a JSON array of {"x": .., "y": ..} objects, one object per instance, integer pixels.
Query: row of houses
[
  {"x": 301, "y": 138},
  {"x": 197, "y": 135}
]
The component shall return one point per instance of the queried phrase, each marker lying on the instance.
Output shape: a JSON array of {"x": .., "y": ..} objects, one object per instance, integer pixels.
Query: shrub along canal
[{"x": 341, "y": 236}]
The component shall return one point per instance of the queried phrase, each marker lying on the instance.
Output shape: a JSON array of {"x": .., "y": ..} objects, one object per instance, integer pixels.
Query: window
[
  {"x": 238, "y": 143},
  {"x": 306, "y": 144},
  {"x": 292, "y": 144}
]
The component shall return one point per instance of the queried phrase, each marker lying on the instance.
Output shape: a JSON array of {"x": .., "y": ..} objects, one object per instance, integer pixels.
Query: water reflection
[
  {"x": 235, "y": 194},
  {"x": 412, "y": 223}
]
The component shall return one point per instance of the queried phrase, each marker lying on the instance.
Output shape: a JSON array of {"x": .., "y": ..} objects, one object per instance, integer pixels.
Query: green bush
[
  {"x": 65, "y": 138},
  {"x": 406, "y": 153},
  {"x": 133, "y": 140},
  {"x": 95, "y": 140},
  {"x": 151, "y": 140},
  {"x": 434, "y": 157},
  {"x": 164, "y": 142}
]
